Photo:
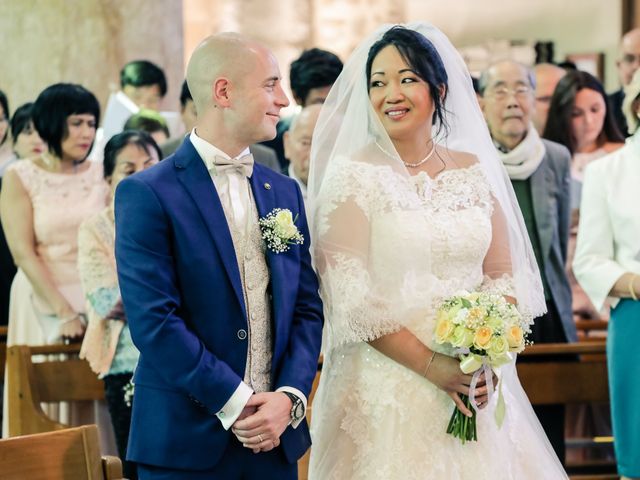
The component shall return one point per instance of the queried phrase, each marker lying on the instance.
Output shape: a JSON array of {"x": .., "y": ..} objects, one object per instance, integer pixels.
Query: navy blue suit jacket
[{"x": 183, "y": 298}]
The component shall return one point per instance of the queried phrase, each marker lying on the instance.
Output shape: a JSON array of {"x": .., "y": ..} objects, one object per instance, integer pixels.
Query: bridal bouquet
[{"x": 483, "y": 328}]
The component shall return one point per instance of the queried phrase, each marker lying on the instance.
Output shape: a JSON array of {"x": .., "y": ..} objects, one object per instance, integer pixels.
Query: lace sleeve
[
  {"x": 496, "y": 266},
  {"x": 356, "y": 307}
]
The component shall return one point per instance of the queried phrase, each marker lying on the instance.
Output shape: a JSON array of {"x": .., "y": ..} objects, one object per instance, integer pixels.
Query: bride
[{"x": 411, "y": 206}]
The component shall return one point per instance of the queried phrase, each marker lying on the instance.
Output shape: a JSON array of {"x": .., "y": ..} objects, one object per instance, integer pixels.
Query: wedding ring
[{"x": 260, "y": 438}]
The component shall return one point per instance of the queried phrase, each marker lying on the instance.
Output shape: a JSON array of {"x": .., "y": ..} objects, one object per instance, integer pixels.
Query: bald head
[
  {"x": 297, "y": 140},
  {"x": 229, "y": 55},
  {"x": 629, "y": 60},
  {"x": 547, "y": 77},
  {"x": 235, "y": 84},
  {"x": 307, "y": 117},
  {"x": 488, "y": 76},
  {"x": 507, "y": 101}
]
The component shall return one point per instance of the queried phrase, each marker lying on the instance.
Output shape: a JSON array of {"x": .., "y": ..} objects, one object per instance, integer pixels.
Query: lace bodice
[
  {"x": 374, "y": 281},
  {"x": 450, "y": 232}
]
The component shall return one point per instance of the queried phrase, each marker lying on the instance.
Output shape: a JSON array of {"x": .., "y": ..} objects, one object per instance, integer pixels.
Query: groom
[{"x": 228, "y": 330}]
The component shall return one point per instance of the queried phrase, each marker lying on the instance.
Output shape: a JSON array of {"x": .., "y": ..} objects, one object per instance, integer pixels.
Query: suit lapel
[
  {"x": 540, "y": 195},
  {"x": 194, "y": 177},
  {"x": 267, "y": 197}
]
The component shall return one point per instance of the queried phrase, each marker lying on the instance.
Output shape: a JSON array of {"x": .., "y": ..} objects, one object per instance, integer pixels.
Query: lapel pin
[{"x": 267, "y": 186}]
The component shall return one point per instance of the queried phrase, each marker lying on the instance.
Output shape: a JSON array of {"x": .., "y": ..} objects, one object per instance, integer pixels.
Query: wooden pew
[
  {"x": 62, "y": 377},
  {"x": 70, "y": 454},
  {"x": 554, "y": 381},
  {"x": 581, "y": 379}
]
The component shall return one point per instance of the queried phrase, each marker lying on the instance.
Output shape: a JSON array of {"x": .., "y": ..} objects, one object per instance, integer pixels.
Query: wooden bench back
[
  {"x": 70, "y": 454},
  {"x": 58, "y": 376},
  {"x": 581, "y": 379}
]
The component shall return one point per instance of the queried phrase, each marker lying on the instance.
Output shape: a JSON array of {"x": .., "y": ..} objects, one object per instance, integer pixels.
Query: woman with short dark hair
[
  {"x": 43, "y": 202},
  {"x": 26, "y": 139}
]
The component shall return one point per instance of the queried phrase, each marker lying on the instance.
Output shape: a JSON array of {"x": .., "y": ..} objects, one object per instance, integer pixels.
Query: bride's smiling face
[{"x": 402, "y": 100}]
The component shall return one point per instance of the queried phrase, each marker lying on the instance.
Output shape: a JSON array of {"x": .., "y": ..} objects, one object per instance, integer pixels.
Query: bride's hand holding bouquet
[{"x": 484, "y": 330}]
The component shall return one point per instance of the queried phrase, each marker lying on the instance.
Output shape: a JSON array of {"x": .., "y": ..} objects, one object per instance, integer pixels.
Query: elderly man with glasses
[{"x": 539, "y": 173}]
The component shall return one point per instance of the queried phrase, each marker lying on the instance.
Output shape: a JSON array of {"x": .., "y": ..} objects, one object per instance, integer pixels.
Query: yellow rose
[
  {"x": 284, "y": 224},
  {"x": 444, "y": 328},
  {"x": 462, "y": 337},
  {"x": 482, "y": 337},
  {"x": 498, "y": 347},
  {"x": 515, "y": 337}
]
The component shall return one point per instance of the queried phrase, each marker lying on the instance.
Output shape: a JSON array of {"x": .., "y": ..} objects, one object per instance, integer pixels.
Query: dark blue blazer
[{"x": 183, "y": 298}]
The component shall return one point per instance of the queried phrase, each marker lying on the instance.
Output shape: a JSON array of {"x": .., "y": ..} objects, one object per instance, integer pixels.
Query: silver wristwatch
[{"x": 297, "y": 407}]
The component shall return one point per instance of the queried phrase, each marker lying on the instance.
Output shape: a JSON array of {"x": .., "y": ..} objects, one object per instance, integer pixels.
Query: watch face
[{"x": 298, "y": 410}]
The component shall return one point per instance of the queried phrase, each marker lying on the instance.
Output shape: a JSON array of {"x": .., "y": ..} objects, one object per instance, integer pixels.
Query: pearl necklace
[{"x": 417, "y": 164}]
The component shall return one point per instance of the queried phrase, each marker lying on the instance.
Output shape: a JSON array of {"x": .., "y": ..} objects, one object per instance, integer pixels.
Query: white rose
[{"x": 285, "y": 227}]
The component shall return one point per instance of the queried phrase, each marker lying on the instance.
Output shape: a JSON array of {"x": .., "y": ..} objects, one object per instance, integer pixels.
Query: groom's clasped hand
[{"x": 264, "y": 418}]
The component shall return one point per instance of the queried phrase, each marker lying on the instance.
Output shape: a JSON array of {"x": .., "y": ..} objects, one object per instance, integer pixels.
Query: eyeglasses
[
  {"x": 630, "y": 58},
  {"x": 501, "y": 93}
]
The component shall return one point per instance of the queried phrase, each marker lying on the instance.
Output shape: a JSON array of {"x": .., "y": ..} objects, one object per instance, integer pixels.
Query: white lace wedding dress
[{"x": 373, "y": 418}]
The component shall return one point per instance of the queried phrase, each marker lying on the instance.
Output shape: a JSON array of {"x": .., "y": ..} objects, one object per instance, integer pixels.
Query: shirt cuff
[
  {"x": 231, "y": 410},
  {"x": 302, "y": 397}
]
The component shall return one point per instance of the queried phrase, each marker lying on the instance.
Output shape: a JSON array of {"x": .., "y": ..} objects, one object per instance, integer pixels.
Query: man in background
[
  {"x": 311, "y": 77},
  {"x": 547, "y": 77},
  {"x": 627, "y": 64},
  {"x": 539, "y": 171},
  {"x": 297, "y": 145}
]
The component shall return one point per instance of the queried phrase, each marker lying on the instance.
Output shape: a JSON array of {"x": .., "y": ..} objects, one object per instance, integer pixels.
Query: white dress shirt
[
  {"x": 609, "y": 231},
  {"x": 234, "y": 192}
]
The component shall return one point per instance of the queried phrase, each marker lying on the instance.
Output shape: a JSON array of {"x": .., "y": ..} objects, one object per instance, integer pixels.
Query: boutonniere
[{"x": 279, "y": 230}]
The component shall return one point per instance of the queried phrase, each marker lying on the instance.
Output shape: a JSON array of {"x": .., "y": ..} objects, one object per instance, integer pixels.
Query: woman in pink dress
[{"x": 43, "y": 202}]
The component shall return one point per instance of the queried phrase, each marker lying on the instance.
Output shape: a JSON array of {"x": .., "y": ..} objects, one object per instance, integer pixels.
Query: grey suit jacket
[
  {"x": 263, "y": 155},
  {"x": 550, "y": 189}
]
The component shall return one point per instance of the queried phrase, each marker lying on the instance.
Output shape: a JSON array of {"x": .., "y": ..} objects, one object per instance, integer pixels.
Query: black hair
[
  {"x": 54, "y": 105},
  {"x": 118, "y": 142},
  {"x": 558, "y": 127},
  {"x": 185, "y": 94},
  {"x": 143, "y": 73},
  {"x": 315, "y": 68},
  {"x": 22, "y": 118},
  {"x": 5, "y": 106},
  {"x": 424, "y": 60},
  {"x": 148, "y": 121}
]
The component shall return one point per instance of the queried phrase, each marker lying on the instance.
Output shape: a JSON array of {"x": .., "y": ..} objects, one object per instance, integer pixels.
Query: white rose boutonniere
[{"x": 279, "y": 230}]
